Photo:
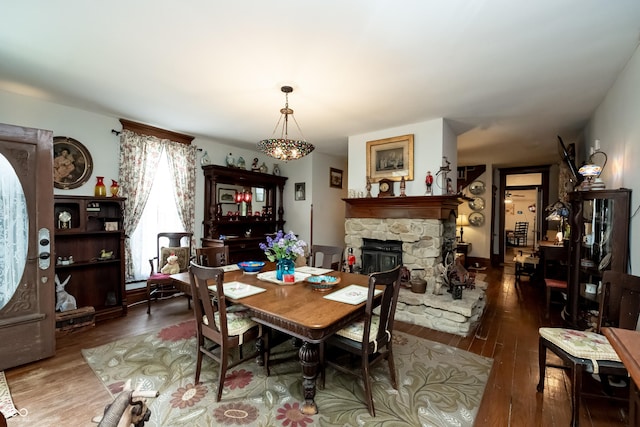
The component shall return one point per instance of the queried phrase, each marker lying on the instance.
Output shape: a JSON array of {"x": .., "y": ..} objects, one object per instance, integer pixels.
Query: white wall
[
  {"x": 430, "y": 140},
  {"x": 94, "y": 132},
  {"x": 615, "y": 123}
]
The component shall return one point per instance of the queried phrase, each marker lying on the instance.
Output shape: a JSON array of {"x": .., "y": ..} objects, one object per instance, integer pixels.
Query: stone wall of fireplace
[{"x": 422, "y": 240}]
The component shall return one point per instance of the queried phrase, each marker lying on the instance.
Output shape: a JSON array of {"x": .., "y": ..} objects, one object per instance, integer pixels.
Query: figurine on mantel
[
  {"x": 241, "y": 163},
  {"x": 264, "y": 168},
  {"x": 429, "y": 182},
  {"x": 231, "y": 162},
  {"x": 276, "y": 169},
  {"x": 254, "y": 165},
  {"x": 403, "y": 187}
]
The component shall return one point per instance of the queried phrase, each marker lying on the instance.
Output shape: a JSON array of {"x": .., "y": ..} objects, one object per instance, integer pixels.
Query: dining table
[{"x": 297, "y": 310}]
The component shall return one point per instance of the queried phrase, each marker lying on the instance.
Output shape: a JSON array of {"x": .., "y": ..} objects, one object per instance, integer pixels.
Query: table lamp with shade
[
  {"x": 462, "y": 221},
  {"x": 591, "y": 171}
]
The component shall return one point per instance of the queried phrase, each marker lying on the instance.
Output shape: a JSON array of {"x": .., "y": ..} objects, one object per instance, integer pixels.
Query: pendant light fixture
[{"x": 284, "y": 148}]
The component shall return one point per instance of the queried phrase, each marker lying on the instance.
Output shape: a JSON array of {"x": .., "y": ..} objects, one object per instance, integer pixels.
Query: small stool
[{"x": 553, "y": 284}]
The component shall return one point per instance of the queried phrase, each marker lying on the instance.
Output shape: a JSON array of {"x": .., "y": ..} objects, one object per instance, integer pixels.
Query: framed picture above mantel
[{"x": 390, "y": 158}]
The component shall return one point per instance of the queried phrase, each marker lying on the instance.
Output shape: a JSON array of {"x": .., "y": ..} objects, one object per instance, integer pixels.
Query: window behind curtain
[{"x": 160, "y": 215}]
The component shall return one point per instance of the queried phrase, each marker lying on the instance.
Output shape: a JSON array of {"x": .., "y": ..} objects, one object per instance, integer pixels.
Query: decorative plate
[
  {"x": 604, "y": 263},
  {"x": 477, "y": 204},
  {"x": 476, "y": 219},
  {"x": 72, "y": 163},
  {"x": 477, "y": 187}
]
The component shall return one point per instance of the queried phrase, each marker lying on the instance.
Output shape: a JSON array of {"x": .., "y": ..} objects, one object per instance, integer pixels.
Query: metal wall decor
[
  {"x": 477, "y": 204},
  {"x": 477, "y": 187},
  {"x": 476, "y": 219}
]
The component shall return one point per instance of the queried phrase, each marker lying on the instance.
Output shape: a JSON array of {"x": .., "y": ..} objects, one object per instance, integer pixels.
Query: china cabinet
[
  {"x": 241, "y": 208},
  {"x": 599, "y": 241},
  {"x": 89, "y": 247}
]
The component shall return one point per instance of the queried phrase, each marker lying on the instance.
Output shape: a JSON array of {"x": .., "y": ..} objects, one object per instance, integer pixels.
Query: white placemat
[
  {"x": 237, "y": 290},
  {"x": 230, "y": 267},
  {"x": 270, "y": 276},
  {"x": 314, "y": 270},
  {"x": 352, "y": 294}
]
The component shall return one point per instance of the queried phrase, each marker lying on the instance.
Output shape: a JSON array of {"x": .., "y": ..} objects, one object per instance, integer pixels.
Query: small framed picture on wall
[
  {"x": 335, "y": 178},
  {"x": 299, "y": 191}
]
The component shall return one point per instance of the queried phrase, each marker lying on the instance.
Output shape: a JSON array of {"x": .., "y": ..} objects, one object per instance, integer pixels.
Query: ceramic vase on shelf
[
  {"x": 115, "y": 188},
  {"x": 284, "y": 267},
  {"x": 100, "y": 190}
]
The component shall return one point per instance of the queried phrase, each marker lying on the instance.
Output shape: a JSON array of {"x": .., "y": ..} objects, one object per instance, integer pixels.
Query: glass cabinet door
[{"x": 599, "y": 242}]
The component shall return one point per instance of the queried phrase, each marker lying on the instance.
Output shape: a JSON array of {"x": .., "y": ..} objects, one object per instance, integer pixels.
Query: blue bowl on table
[
  {"x": 251, "y": 267},
  {"x": 322, "y": 283}
]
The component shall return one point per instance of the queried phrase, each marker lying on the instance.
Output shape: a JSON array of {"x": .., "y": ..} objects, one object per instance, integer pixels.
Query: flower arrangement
[{"x": 283, "y": 246}]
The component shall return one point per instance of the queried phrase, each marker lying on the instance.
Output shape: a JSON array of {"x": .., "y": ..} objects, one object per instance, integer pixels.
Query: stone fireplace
[
  {"x": 423, "y": 227},
  {"x": 420, "y": 225}
]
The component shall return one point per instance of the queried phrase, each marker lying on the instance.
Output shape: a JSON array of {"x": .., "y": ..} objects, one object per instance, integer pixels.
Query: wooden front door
[{"x": 27, "y": 299}]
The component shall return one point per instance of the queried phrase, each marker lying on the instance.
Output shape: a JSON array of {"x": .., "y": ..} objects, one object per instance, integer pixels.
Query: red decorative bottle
[
  {"x": 100, "y": 189},
  {"x": 115, "y": 188}
]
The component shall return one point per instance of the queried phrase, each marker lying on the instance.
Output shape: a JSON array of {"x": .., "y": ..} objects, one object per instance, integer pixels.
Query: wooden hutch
[{"x": 241, "y": 225}]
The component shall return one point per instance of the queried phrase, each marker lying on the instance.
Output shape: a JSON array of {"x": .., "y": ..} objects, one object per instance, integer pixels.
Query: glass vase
[
  {"x": 100, "y": 189},
  {"x": 284, "y": 267}
]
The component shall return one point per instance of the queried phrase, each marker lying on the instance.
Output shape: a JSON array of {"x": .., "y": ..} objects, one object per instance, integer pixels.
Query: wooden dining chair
[
  {"x": 215, "y": 256},
  {"x": 331, "y": 256},
  {"x": 159, "y": 284},
  {"x": 590, "y": 352},
  {"x": 369, "y": 337},
  {"x": 220, "y": 332}
]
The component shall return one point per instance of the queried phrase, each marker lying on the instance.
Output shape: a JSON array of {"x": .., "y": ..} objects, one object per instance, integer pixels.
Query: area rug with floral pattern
[{"x": 438, "y": 385}]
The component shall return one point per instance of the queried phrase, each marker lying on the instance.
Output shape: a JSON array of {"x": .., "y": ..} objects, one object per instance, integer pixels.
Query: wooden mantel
[{"x": 412, "y": 207}]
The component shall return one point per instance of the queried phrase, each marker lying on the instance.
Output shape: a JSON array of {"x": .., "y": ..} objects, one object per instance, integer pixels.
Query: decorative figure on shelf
[
  {"x": 172, "y": 266},
  {"x": 231, "y": 162},
  {"x": 205, "y": 160},
  {"x": 351, "y": 260},
  {"x": 115, "y": 188},
  {"x": 104, "y": 255},
  {"x": 403, "y": 187},
  {"x": 241, "y": 163},
  {"x": 429, "y": 182},
  {"x": 450, "y": 186},
  {"x": 254, "y": 165},
  {"x": 368, "y": 187},
  {"x": 64, "y": 300},
  {"x": 264, "y": 168},
  {"x": 276, "y": 169}
]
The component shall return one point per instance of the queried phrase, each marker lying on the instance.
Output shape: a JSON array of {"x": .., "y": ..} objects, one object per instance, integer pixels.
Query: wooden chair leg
[
  {"x": 222, "y": 373},
  {"x": 576, "y": 387},
  {"x": 548, "y": 302},
  {"x": 542, "y": 364},
  {"x": 392, "y": 368},
  {"x": 148, "y": 298},
  {"x": 198, "y": 365},
  {"x": 367, "y": 387}
]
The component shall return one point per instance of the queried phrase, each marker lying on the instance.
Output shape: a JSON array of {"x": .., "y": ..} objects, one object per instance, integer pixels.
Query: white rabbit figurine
[{"x": 65, "y": 301}]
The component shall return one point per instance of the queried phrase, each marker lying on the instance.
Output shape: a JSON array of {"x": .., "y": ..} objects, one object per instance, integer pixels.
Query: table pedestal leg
[{"x": 309, "y": 360}]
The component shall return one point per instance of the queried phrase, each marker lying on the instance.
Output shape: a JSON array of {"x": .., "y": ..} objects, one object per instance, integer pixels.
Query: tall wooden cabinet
[
  {"x": 599, "y": 221},
  {"x": 243, "y": 225},
  {"x": 89, "y": 247}
]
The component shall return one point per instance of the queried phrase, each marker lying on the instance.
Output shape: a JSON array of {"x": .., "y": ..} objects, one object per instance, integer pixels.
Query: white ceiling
[{"x": 508, "y": 75}]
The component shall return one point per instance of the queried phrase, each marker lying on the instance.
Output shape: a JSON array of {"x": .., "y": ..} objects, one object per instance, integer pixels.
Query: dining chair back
[
  {"x": 369, "y": 337},
  {"x": 221, "y": 331},
  {"x": 215, "y": 256},
  {"x": 591, "y": 352},
  {"x": 327, "y": 256},
  {"x": 160, "y": 284}
]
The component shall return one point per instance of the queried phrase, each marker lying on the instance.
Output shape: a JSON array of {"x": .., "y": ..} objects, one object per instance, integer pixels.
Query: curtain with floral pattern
[{"x": 139, "y": 157}]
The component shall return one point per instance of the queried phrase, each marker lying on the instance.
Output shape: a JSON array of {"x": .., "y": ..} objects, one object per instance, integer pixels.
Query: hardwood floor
[{"x": 63, "y": 390}]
